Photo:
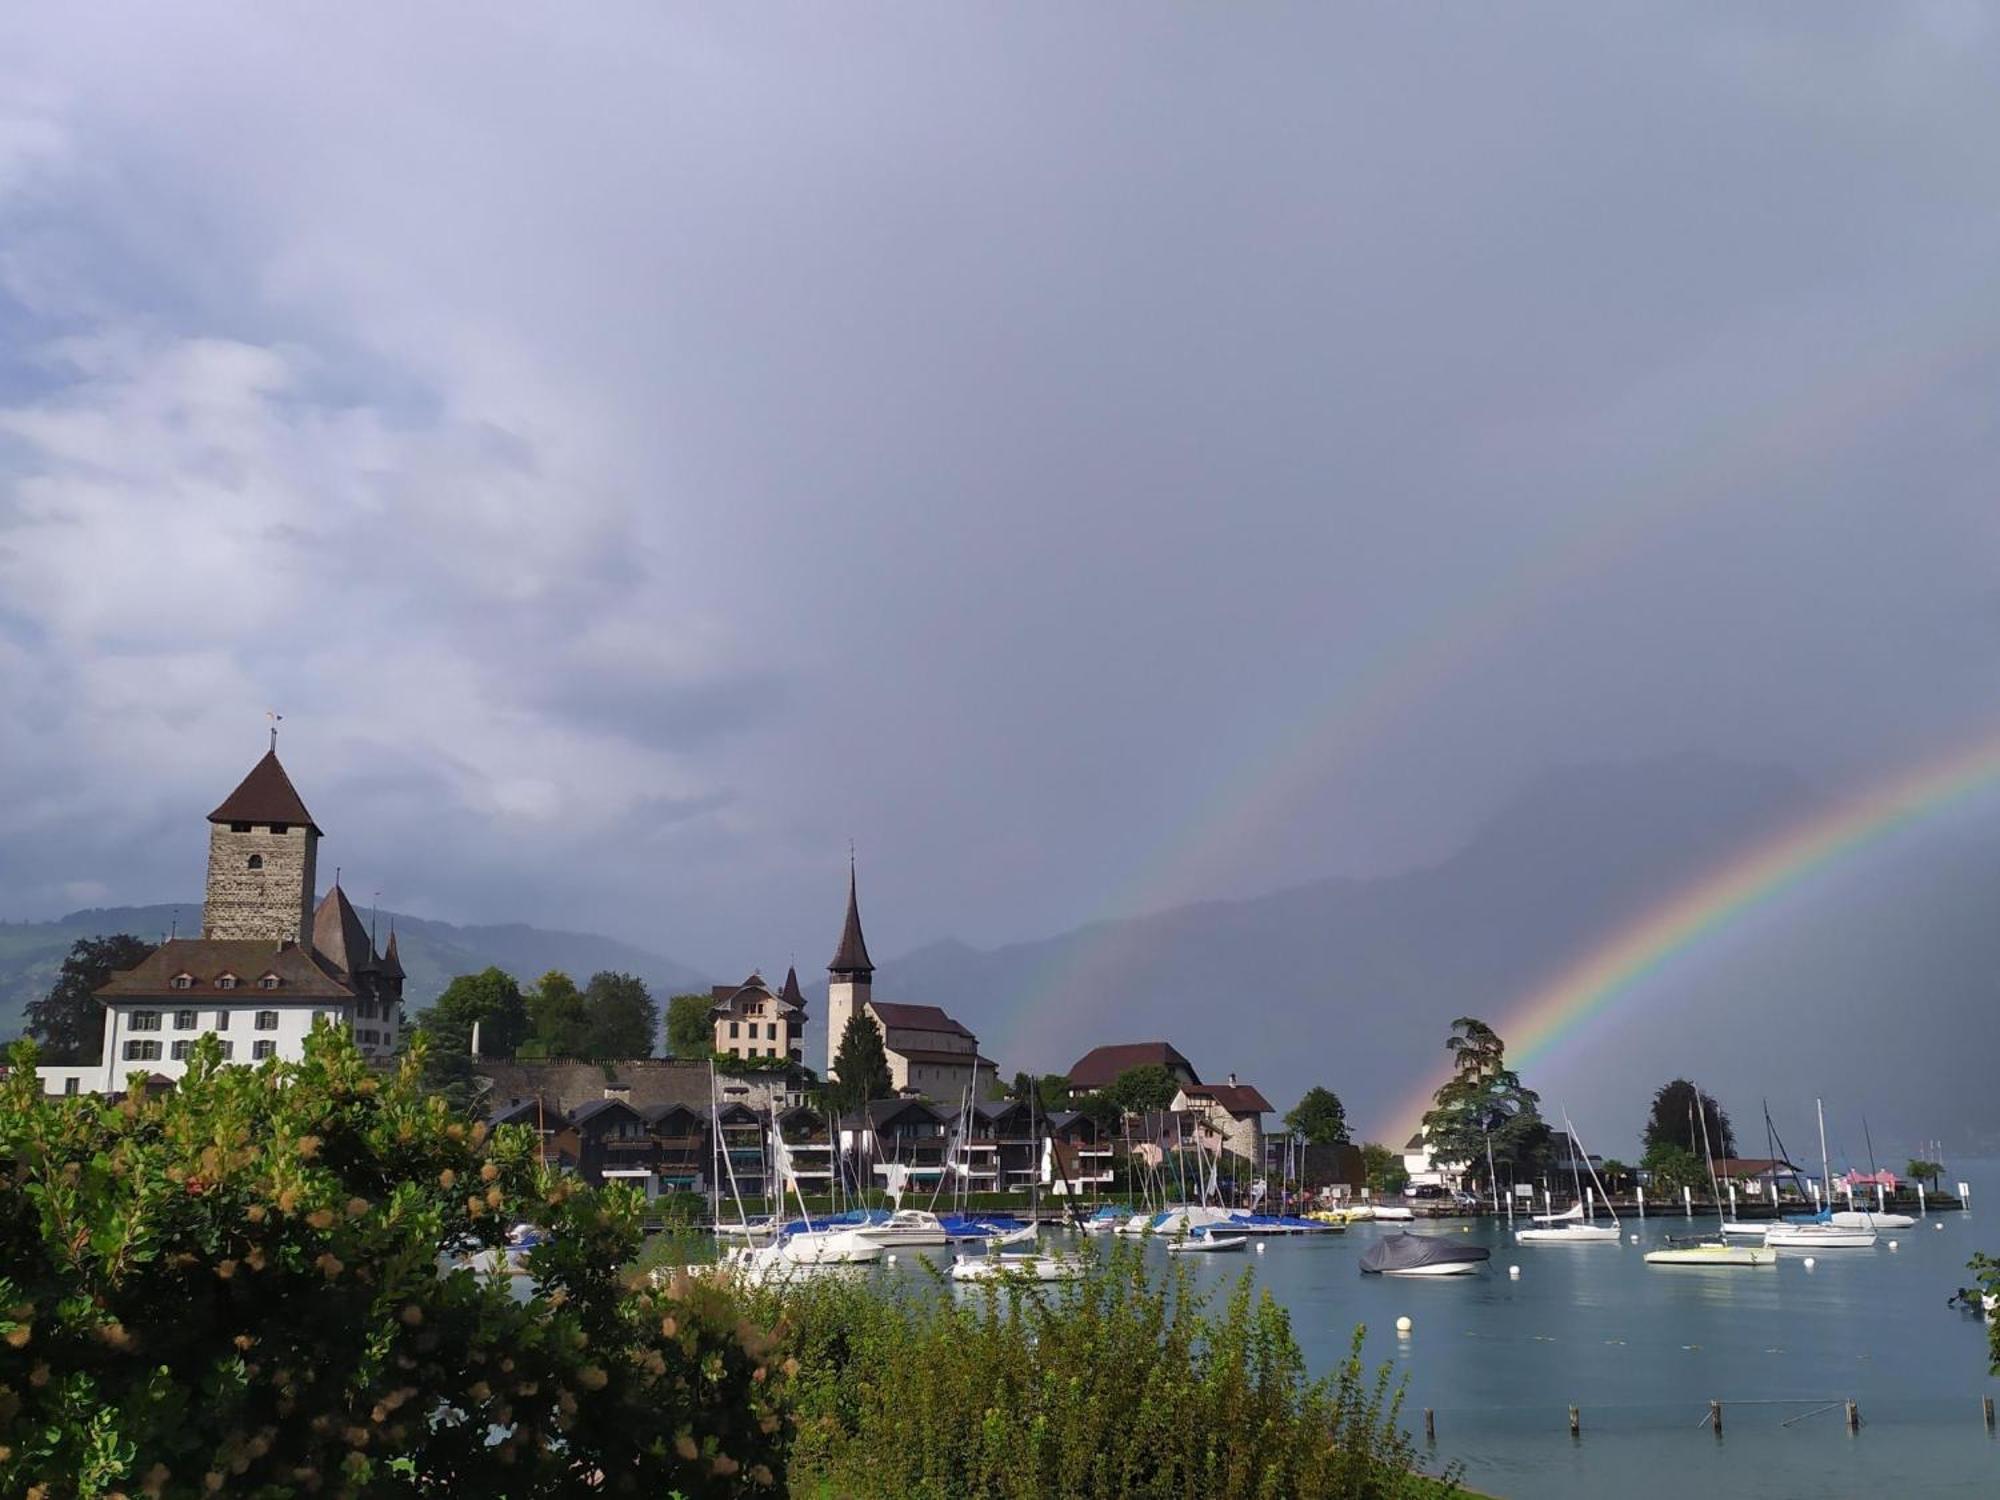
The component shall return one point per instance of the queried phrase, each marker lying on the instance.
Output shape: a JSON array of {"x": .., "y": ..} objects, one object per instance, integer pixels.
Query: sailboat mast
[{"x": 1825, "y": 1170}]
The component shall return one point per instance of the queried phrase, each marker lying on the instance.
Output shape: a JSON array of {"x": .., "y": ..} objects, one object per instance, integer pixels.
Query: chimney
[{"x": 1232, "y": 1080}]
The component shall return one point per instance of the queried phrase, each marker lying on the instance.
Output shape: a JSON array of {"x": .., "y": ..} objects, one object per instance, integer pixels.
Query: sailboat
[
  {"x": 1820, "y": 1233},
  {"x": 1861, "y": 1218},
  {"x": 1710, "y": 1252},
  {"x": 1574, "y": 1227}
]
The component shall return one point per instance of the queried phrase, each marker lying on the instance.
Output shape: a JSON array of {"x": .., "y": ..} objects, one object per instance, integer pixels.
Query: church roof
[
  {"x": 339, "y": 937},
  {"x": 915, "y": 1018},
  {"x": 791, "y": 994},
  {"x": 392, "y": 966},
  {"x": 852, "y": 955},
  {"x": 266, "y": 795},
  {"x": 205, "y": 960}
]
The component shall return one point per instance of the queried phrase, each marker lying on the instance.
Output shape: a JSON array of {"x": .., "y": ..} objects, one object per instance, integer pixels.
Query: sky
[{"x": 1085, "y": 458}]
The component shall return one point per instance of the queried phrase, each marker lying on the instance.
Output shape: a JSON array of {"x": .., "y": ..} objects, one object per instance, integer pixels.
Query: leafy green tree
[
  {"x": 862, "y": 1064},
  {"x": 493, "y": 1000},
  {"x": 1050, "y": 1091},
  {"x": 1384, "y": 1166},
  {"x": 1485, "y": 1104},
  {"x": 69, "y": 1021},
  {"x": 559, "y": 1016},
  {"x": 1320, "y": 1117},
  {"x": 1674, "y": 1167},
  {"x": 1672, "y": 1121},
  {"x": 255, "y": 1284},
  {"x": 1144, "y": 1089},
  {"x": 1920, "y": 1170},
  {"x": 690, "y": 1031},
  {"x": 624, "y": 1021}
]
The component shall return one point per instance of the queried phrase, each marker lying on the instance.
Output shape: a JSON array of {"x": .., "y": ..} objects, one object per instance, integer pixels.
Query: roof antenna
[
  {"x": 275, "y": 717},
  {"x": 175, "y": 930}
]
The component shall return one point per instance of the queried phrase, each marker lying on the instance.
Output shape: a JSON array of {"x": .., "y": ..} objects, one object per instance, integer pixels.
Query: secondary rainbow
[{"x": 1560, "y": 1013}]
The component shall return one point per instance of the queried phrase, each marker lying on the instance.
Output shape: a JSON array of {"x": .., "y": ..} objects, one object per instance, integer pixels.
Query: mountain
[
  {"x": 431, "y": 952},
  {"x": 1354, "y": 983}
]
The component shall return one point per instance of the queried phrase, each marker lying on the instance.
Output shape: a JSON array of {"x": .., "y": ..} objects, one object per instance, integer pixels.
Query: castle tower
[
  {"x": 850, "y": 977},
  {"x": 263, "y": 851}
]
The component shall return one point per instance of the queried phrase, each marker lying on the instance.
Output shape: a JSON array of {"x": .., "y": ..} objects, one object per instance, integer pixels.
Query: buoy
[
  {"x": 1260, "y": 1247},
  {"x": 1938, "y": 1225},
  {"x": 1635, "y": 1239},
  {"x": 1892, "y": 1244},
  {"x": 890, "y": 1259},
  {"x": 1810, "y": 1262},
  {"x": 1513, "y": 1273},
  {"x": 1402, "y": 1325}
]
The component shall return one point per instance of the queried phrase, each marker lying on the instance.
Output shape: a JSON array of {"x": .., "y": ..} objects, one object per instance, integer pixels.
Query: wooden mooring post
[
  {"x": 1715, "y": 1417},
  {"x": 1575, "y": 1422},
  {"x": 1853, "y": 1416},
  {"x": 1986, "y": 1409},
  {"x": 1431, "y": 1425}
]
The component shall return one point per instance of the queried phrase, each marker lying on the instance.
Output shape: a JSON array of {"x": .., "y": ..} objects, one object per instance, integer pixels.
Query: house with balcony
[
  {"x": 753, "y": 1020},
  {"x": 1076, "y": 1155}
]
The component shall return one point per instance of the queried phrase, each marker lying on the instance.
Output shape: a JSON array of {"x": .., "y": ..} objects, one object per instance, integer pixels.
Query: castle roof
[
  {"x": 1100, "y": 1065},
  {"x": 301, "y": 976},
  {"x": 852, "y": 955},
  {"x": 392, "y": 966},
  {"x": 791, "y": 993},
  {"x": 339, "y": 937},
  {"x": 915, "y": 1018},
  {"x": 266, "y": 795}
]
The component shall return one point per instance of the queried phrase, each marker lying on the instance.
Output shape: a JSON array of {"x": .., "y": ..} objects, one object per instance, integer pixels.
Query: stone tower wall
[{"x": 274, "y": 902}]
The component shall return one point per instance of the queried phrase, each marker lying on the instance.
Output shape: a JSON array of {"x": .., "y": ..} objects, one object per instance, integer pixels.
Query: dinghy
[{"x": 1206, "y": 1243}]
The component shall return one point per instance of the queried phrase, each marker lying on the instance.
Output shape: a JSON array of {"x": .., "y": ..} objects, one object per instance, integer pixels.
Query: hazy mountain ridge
[
  {"x": 431, "y": 952},
  {"x": 1354, "y": 983}
]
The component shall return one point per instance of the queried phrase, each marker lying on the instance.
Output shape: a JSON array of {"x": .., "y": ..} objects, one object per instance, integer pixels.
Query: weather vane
[{"x": 276, "y": 718}]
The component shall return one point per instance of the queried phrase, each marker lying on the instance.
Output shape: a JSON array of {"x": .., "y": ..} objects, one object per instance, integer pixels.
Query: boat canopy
[{"x": 1406, "y": 1251}]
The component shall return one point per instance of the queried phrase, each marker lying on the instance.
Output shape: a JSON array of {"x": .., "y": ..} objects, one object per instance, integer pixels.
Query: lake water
[{"x": 1644, "y": 1349}]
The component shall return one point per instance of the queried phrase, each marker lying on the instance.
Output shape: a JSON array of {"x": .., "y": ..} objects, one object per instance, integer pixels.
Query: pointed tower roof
[
  {"x": 852, "y": 955},
  {"x": 392, "y": 966},
  {"x": 792, "y": 994},
  {"x": 266, "y": 795},
  {"x": 339, "y": 937}
]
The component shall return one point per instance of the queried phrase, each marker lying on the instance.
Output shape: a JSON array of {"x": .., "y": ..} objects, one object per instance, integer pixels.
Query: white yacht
[{"x": 906, "y": 1226}]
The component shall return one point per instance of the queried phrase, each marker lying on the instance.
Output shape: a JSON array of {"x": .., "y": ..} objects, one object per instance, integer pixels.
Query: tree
[
  {"x": 1050, "y": 1091},
  {"x": 489, "y": 998},
  {"x": 255, "y": 1284},
  {"x": 1614, "y": 1172},
  {"x": 1674, "y": 1167},
  {"x": 690, "y": 1029},
  {"x": 1144, "y": 1089},
  {"x": 862, "y": 1065},
  {"x": 1484, "y": 1106},
  {"x": 1920, "y": 1170},
  {"x": 1386, "y": 1173},
  {"x": 1320, "y": 1117},
  {"x": 624, "y": 1021},
  {"x": 1673, "y": 1122},
  {"x": 69, "y": 1021},
  {"x": 559, "y": 1016}
]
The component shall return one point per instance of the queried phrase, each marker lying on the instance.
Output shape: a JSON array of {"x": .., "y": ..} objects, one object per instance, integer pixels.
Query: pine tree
[{"x": 862, "y": 1065}]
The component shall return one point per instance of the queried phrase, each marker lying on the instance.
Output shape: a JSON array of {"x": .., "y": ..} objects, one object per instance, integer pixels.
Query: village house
[
  {"x": 1235, "y": 1111},
  {"x": 752, "y": 1021},
  {"x": 1100, "y": 1066},
  {"x": 268, "y": 966}
]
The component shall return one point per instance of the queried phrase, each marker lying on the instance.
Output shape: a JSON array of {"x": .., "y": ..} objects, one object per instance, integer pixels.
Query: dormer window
[
  {"x": 268, "y": 982},
  {"x": 256, "y": 861},
  {"x": 225, "y": 981},
  {"x": 183, "y": 981},
  {"x": 239, "y": 827},
  {"x": 281, "y": 828}
]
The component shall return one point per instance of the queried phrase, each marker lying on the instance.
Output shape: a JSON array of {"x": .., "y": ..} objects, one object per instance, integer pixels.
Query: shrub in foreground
[{"x": 245, "y": 1286}]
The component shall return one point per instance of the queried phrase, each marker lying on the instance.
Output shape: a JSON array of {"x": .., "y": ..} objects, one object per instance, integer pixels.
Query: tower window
[
  {"x": 281, "y": 828},
  {"x": 239, "y": 827},
  {"x": 256, "y": 861}
]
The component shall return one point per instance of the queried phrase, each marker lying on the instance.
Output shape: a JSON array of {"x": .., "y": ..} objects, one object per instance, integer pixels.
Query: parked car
[{"x": 1427, "y": 1191}]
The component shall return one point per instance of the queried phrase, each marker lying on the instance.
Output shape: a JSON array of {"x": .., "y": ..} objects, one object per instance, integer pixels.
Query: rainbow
[
  {"x": 1560, "y": 1013},
  {"x": 1080, "y": 990}
]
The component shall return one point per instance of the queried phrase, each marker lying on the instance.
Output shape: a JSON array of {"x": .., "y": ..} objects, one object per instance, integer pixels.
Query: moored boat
[
  {"x": 1711, "y": 1253},
  {"x": 1017, "y": 1268},
  {"x": 1206, "y": 1242},
  {"x": 1408, "y": 1254}
]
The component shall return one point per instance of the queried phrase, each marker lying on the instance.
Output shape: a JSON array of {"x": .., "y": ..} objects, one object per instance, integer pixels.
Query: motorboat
[
  {"x": 1408, "y": 1254},
  {"x": 808, "y": 1249},
  {"x": 906, "y": 1226},
  {"x": 1017, "y": 1268},
  {"x": 1393, "y": 1213},
  {"x": 1711, "y": 1253},
  {"x": 1205, "y": 1242},
  {"x": 1739, "y": 1229},
  {"x": 1859, "y": 1218},
  {"x": 1569, "y": 1234},
  {"x": 1818, "y": 1237},
  {"x": 1106, "y": 1219}
]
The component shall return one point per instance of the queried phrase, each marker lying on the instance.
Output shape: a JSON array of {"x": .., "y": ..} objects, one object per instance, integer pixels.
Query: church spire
[{"x": 851, "y": 958}]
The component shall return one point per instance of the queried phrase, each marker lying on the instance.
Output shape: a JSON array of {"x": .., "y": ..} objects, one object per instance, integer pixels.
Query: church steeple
[{"x": 850, "y": 960}]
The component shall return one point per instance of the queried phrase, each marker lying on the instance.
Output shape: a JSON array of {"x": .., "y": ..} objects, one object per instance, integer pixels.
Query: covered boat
[{"x": 1408, "y": 1254}]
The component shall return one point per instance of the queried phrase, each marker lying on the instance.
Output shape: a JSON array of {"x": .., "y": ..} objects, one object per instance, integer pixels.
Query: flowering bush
[{"x": 255, "y": 1284}]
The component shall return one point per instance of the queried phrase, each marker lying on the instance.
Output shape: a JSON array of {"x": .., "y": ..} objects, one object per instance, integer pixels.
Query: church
[{"x": 269, "y": 962}]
